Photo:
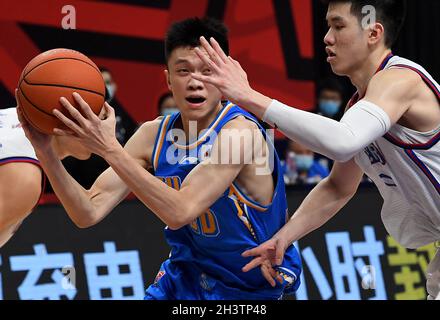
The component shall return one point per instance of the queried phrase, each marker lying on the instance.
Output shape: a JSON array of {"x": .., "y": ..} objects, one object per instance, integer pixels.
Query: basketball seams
[
  {"x": 36, "y": 107},
  {"x": 64, "y": 58},
  {"x": 28, "y": 118},
  {"x": 61, "y": 86}
]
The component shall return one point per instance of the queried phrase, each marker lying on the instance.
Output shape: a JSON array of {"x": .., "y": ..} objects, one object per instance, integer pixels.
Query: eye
[
  {"x": 206, "y": 71},
  {"x": 339, "y": 27},
  {"x": 182, "y": 71}
]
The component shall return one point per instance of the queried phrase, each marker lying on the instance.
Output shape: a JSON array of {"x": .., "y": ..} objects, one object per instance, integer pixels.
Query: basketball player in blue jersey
[
  {"x": 215, "y": 203},
  {"x": 391, "y": 130}
]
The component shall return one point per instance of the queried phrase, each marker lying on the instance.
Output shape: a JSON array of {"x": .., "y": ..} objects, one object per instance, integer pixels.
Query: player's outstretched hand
[
  {"x": 40, "y": 141},
  {"x": 96, "y": 133},
  {"x": 225, "y": 73},
  {"x": 267, "y": 255}
]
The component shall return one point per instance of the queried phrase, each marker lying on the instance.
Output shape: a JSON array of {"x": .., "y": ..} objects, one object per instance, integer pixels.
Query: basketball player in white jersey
[
  {"x": 21, "y": 178},
  {"x": 390, "y": 131}
]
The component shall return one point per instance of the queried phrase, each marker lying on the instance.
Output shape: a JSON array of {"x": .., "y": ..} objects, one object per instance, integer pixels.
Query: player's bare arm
[{"x": 203, "y": 186}]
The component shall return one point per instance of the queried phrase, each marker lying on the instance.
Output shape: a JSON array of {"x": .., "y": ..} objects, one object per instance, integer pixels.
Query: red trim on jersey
[
  {"x": 424, "y": 169},
  {"x": 436, "y": 138},
  {"x": 423, "y": 76},
  {"x": 356, "y": 96},
  {"x": 416, "y": 146}
]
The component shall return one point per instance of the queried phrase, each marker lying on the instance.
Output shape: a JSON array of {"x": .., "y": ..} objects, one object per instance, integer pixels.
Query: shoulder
[
  {"x": 240, "y": 123},
  {"x": 395, "y": 81},
  {"x": 141, "y": 144},
  {"x": 148, "y": 130}
]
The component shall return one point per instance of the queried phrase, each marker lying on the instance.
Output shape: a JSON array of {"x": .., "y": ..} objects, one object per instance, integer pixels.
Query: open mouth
[{"x": 196, "y": 99}]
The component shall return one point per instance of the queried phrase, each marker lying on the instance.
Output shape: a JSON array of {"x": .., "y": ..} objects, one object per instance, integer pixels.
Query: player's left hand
[
  {"x": 226, "y": 73},
  {"x": 96, "y": 133},
  {"x": 266, "y": 256}
]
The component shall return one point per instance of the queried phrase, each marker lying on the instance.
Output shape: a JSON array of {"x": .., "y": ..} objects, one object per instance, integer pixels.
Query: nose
[
  {"x": 329, "y": 38},
  {"x": 195, "y": 85}
]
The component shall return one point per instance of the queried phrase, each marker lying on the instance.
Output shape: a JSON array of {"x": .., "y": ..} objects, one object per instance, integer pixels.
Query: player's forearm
[
  {"x": 168, "y": 204},
  {"x": 72, "y": 195},
  {"x": 322, "y": 203},
  {"x": 256, "y": 102},
  {"x": 340, "y": 141}
]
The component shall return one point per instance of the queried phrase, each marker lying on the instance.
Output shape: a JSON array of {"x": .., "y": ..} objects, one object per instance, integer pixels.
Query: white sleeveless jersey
[
  {"x": 405, "y": 166},
  {"x": 14, "y": 146}
]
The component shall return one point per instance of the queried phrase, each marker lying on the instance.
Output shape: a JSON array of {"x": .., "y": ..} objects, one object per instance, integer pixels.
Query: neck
[
  {"x": 361, "y": 77},
  {"x": 190, "y": 126}
]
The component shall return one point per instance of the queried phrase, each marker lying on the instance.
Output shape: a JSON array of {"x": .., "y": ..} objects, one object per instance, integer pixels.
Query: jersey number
[{"x": 206, "y": 225}]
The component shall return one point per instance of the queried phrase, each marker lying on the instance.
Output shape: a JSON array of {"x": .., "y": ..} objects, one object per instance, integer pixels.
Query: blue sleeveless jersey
[{"x": 214, "y": 242}]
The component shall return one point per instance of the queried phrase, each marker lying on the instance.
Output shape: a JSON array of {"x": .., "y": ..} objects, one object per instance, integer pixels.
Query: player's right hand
[
  {"x": 267, "y": 255},
  {"x": 41, "y": 142}
]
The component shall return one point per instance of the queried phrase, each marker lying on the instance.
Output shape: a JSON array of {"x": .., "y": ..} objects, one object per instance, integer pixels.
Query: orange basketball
[{"x": 54, "y": 74}]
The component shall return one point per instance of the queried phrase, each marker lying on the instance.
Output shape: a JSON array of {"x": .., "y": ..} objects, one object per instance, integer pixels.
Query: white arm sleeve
[{"x": 362, "y": 124}]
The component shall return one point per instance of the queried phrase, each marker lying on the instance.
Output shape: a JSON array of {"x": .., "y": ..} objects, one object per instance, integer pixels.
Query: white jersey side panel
[
  {"x": 405, "y": 166},
  {"x": 13, "y": 143}
]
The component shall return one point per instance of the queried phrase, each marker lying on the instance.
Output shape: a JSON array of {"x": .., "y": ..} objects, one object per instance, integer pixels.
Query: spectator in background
[
  {"x": 331, "y": 98},
  {"x": 302, "y": 167},
  {"x": 125, "y": 125},
  {"x": 167, "y": 105}
]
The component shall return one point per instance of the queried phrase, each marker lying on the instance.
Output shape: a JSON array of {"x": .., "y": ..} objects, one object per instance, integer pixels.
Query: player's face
[
  {"x": 194, "y": 98},
  {"x": 346, "y": 41}
]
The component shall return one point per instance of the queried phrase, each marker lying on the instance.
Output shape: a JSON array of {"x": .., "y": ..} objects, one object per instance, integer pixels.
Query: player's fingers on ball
[
  {"x": 84, "y": 106},
  {"x": 73, "y": 111},
  {"x": 69, "y": 123}
]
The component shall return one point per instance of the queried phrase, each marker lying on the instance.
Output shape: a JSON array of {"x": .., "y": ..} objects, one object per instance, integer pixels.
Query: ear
[
  {"x": 376, "y": 33},
  {"x": 167, "y": 77}
]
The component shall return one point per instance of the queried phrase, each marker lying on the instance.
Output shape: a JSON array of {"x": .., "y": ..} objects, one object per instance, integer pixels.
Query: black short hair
[
  {"x": 187, "y": 33},
  {"x": 162, "y": 98},
  {"x": 332, "y": 84},
  {"x": 390, "y": 13}
]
